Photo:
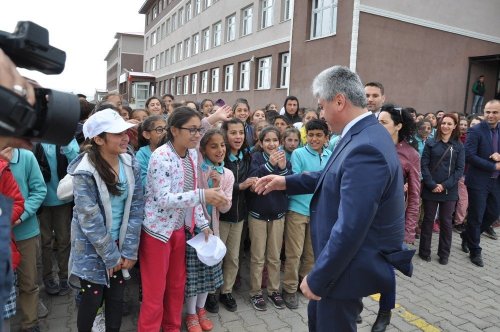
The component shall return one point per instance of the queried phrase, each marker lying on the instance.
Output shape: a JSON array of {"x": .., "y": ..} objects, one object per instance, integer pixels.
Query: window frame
[
  {"x": 247, "y": 19},
  {"x": 244, "y": 76},
  {"x": 214, "y": 79},
  {"x": 185, "y": 84},
  {"x": 317, "y": 18},
  {"x": 205, "y": 43},
  {"x": 204, "y": 82},
  {"x": 217, "y": 34},
  {"x": 264, "y": 73},
  {"x": 196, "y": 43},
  {"x": 194, "y": 83},
  {"x": 266, "y": 14},
  {"x": 228, "y": 78},
  {"x": 230, "y": 28}
]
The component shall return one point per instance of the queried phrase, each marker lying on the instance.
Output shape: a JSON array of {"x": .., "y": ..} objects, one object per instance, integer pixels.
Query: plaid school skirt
[
  {"x": 200, "y": 278},
  {"x": 9, "y": 308}
]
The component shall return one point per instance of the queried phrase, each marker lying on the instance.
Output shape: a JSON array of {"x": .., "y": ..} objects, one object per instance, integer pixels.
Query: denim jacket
[{"x": 93, "y": 250}]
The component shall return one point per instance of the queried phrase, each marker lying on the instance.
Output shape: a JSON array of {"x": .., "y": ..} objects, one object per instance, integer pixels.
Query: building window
[
  {"x": 285, "y": 70},
  {"x": 172, "y": 54},
  {"x": 196, "y": 43},
  {"x": 245, "y": 75},
  {"x": 167, "y": 27},
  {"x": 204, "y": 81},
  {"x": 167, "y": 57},
  {"x": 152, "y": 63},
  {"x": 231, "y": 28},
  {"x": 162, "y": 31},
  {"x": 189, "y": 13},
  {"x": 179, "y": 51},
  {"x": 146, "y": 65},
  {"x": 215, "y": 80},
  {"x": 187, "y": 48},
  {"x": 217, "y": 31},
  {"x": 264, "y": 73},
  {"x": 194, "y": 83},
  {"x": 155, "y": 11},
  {"x": 181, "y": 17},
  {"x": 206, "y": 39},
  {"x": 287, "y": 10},
  {"x": 174, "y": 22},
  {"x": 185, "y": 89},
  {"x": 197, "y": 7},
  {"x": 158, "y": 62},
  {"x": 207, "y": 3},
  {"x": 147, "y": 42},
  {"x": 179, "y": 86},
  {"x": 172, "y": 86},
  {"x": 246, "y": 22},
  {"x": 162, "y": 59},
  {"x": 266, "y": 17},
  {"x": 153, "y": 38},
  {"x": 228, "y": 78},
  {"x": 324, "y": 18}
]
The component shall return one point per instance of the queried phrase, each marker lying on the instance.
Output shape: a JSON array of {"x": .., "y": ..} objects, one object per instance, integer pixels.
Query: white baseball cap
[
  {"x": 209, "y": 252},
  {"x": 105, "y": 121}
]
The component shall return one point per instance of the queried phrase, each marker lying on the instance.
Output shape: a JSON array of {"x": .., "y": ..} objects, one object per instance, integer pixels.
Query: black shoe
[
  {"x": 228, "y": 302},
  {"x": 51, "y": 287},
  {"x": 465, "y": 248},
  {"x": 490, "y": 232},
  {"x": 459, "y": 228},
  {"x": 359, "y": 319},
  {"x": 212, "y": 305},
  {"x": 443, "y": 260},
  {"x": 425, "y": 258},
  {"x": 383, "y": 319},
  {"x": 291, "y": 300},
  {"x": 64, "y": 288},
  {"x": 477, "y": 260}
]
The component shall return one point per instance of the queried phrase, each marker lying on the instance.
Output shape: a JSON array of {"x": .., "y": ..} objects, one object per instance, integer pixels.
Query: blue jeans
[{"x": 477, "y": 104}]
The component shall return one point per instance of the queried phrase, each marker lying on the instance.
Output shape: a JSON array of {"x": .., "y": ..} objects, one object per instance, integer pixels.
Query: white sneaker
[
  {"x": 99, "y": 322},
  {"x": 42, "y": 309}
]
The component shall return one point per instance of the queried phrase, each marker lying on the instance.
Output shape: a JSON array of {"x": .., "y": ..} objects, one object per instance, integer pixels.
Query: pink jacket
[
  {"x": 410, "y": 162},
  {"x": 226, "y": 184}
]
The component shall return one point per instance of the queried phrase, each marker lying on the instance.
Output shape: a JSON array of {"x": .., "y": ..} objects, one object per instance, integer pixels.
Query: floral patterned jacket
[{"x": 167, "y": 205}]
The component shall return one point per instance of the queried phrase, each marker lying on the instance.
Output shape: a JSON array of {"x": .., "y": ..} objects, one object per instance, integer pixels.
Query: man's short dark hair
[
  {"x": 291, "y": 98},
  {"x": 376, "y": 85}
]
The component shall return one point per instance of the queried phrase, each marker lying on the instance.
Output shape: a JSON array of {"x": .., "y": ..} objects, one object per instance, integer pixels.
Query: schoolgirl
[
  {"x": 107, "y": 218},
  {"x": 151, "y": 132}
]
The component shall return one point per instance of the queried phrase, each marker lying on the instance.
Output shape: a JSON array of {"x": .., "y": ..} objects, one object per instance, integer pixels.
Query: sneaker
[
  {"x": 212, "y": 305},
  {"x": 277, "y": 300},
  {"x": 258, "y": 302},
  {"x": 205, "y": 323},
  {"x": 228, "y": 302},
  {"x": 51, "y": 287},
  {"x": 193, "y": 323},
  {"x": 490, "y": 232},
  {"x": 291, "y": 300},
  {"x": 64, "y": 288},
  {"x": 42, "y": 309},
  {"x": 99, "y": 322}
]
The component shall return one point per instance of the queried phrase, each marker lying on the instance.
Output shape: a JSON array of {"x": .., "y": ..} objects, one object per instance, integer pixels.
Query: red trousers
[{"x": 163, "y": 275}]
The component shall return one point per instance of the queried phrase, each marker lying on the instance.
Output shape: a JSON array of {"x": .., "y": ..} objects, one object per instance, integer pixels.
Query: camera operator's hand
[{"x": 11, "y": 79}]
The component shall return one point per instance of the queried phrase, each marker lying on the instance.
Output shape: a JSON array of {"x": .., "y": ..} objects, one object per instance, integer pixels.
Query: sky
[{"x": 85, "y": 30}]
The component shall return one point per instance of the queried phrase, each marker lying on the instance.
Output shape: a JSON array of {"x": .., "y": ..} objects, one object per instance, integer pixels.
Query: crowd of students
[{"x": 142, "y": 182}]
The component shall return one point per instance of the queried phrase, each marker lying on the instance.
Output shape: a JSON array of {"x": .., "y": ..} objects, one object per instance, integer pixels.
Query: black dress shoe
[
  {"x": 383, "y": 319},
  {"x": 443, "y": 260},
  {"x": 465, "y": 248},
  {"x": 477, "y": 260},
  {"x": 211, "y": 304},
  {"x": 490, "y": 232},
  {"x": 425, "y": 258}
]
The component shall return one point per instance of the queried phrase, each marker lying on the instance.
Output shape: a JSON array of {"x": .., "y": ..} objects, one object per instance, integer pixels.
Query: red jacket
[{"x": 9, "y": 188}]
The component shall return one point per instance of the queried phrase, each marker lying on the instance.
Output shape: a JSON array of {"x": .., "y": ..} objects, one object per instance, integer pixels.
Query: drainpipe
[{"x": 354, "y": 36}]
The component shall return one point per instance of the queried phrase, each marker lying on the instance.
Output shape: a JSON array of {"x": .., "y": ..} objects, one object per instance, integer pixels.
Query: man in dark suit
[
  {"x": 357, "y": 209},
  {"x": 482, "y": 181}
]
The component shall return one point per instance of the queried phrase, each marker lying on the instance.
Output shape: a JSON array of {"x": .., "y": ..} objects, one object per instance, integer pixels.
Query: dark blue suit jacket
[
  {"x": 357, "y": 213},
  {"x": 478, "y": 149}
]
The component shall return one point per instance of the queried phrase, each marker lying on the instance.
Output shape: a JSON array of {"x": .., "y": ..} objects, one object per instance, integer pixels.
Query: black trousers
[
  {"x": 332, "y": 315},
  {"x": 484, "y": 209},
  {"x": 92, "y": 297},
  {"x": 446, "y": 210}
]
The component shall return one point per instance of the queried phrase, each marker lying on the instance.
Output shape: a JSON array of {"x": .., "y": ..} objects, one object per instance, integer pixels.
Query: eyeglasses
[
  {"x": 159, "y": 130},
  {"x": 193, "y": 131}
]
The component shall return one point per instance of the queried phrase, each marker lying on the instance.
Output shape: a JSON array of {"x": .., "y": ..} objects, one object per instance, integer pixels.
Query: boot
[{"x": 383, "y": 319}]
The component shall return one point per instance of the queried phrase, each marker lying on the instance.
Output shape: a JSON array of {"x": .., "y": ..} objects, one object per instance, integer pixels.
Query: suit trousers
[
  {"x": 163, "y": 278},
  {"x": 27, "y": 280},
  {"x": 298, "y": 250},
  {"x": 484, "y": 209},
  {"x": 230, "y": 234},
  {"x": 56, "y": 220},
  {"x": 333, "y": 315},
  {"x": 266, "y": 239},
  {"x": 446, "y": 209}
]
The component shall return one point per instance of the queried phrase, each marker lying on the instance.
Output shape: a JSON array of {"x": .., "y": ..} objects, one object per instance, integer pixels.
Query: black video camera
[{"x": 55, "y": 115}]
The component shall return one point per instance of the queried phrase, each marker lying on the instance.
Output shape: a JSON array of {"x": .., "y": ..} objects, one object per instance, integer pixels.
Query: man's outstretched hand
[{"x": 269, "y": 183}]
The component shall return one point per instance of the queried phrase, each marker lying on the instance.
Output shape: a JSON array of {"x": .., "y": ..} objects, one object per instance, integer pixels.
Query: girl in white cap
[{"x": 107, "y": 218}]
